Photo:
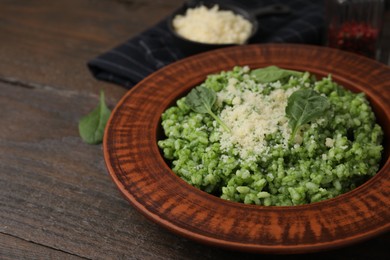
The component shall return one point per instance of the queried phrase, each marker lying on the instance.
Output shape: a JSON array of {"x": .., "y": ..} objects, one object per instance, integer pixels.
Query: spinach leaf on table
[
  {"x": 91, "y": 126},
  {"x": 303, "y": 106},
  {"x": 201, "y": 100}
]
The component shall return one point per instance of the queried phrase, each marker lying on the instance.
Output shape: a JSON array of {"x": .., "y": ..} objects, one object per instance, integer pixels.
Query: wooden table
[{"x": 57, "y": 200}]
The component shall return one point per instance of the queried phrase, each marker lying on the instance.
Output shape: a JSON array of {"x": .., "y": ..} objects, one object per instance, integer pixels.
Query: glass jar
[{"x": 354, "y": 25}]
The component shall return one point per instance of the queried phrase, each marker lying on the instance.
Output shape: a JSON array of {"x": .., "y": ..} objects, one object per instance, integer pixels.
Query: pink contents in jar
[{"x": 356, "y": 37}]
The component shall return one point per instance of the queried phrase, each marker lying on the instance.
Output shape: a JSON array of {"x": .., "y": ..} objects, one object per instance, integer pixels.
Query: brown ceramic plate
[{"x": 141, "y": 174}]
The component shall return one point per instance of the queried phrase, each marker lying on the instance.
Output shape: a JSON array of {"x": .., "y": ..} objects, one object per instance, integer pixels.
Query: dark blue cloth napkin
[{"x": 133, "y": 60}]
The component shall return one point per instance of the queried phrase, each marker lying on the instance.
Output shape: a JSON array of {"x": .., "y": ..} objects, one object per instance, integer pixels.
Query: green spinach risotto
[{"x": 272, "y": 136}]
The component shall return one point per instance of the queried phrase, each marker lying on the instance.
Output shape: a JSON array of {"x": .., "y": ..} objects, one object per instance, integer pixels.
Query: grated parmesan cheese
[
  {"x": 329, "y": 142},
  {"x": 254, "y": 117},
  {"x": 212, "y": 26}
]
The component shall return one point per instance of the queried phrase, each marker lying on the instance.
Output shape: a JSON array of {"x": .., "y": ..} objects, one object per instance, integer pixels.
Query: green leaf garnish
[
  {"x": 273, "y": 73},
  {"x": 304, "y": 106},
  {"x": 91, "y": 126},
  {"x": 201, "y": 100}
]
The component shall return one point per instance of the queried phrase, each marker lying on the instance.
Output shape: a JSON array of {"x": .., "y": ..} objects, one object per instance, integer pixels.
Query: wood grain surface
[{"x": 57, "y": 199}]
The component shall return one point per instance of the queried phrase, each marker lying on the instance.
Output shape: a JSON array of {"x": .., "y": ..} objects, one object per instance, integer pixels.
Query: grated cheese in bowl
[{"x": 212, "y": 25}]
